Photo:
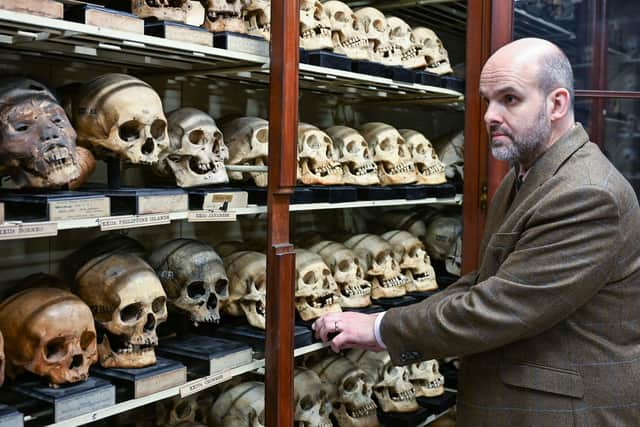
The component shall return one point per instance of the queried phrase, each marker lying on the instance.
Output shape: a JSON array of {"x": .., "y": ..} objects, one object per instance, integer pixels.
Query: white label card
[
  {"x": 133, "y": 221},
  {"x": 28, "y": 230},
  {"x": 163, "y": 203},
  {"x": 94, "y": 207},
  {"x": 204, "y": 383},
  {"x": 211, "y": 216}
]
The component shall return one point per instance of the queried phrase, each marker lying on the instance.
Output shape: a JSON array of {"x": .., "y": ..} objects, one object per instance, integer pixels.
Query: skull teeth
[
  {"x": 355, "y": 291},
  {"x": 395, "y": 282},
  {"x": 354, "y": 42},
  {"x": 367, "y": 169},
  {"x": 404, "y": 167},
  {"x": 363, "y": 411},
  {"x": 329, "y": 169},
  {"x": 316, "y": 32},
  {"x": 404, "y": 395}
]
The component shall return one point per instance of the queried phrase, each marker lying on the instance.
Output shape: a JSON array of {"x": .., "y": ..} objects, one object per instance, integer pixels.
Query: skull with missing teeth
[
  {"x": 163, "y": 10},
  {"x": 426, "y": 378},
  {"x": 348, "y": 38},
  {"x": 429, "y": 168},
  {"x": 390, "y": 152},
  {"x": 315, "y": 27},
  {"x": 193, "y": 276},
  {"x": 248, "y": 142},
  {"x": 376, "y": 29},
  {"x": 355, "y": 291},
  {"x": 392, "y": 388},
  {"x": 352, "y": 151},
  {"x": 258, "y": 18},
  {"x": 382, "y": 270},
  {"x": 413, "y": 259},
  {"x": 196, "y": 153},
  {"x": 432, "y": 50},
  {"x": 224, "y": 15},
  {"x": 247, "y": 272},
  {"x": 316, "y": 290},
  {"x": 128, "y": 304},
  {"x": 315, "y": 157},
  {"x": 401, "y": 40},
  {"x": 122, "y": 116}
]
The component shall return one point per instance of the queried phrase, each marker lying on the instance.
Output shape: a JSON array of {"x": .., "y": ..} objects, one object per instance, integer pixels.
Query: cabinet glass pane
[
  {"x": 568, "y": 23},
  {"x": 623, "y": 35},
  {"x": 622, "y": 138}
]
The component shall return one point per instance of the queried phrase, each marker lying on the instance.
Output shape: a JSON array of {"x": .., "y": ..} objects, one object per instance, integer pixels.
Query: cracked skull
[
  {"x": 37, "y": 142},
  {"x": 349, "y": 392},
  {"x": 429, "y": 168},
  {"x": 315, "y": 27},
  {"x": 224, "y": 15},
  {"x": 432, "y": 50},
  {"x": 376, "y": 29},
  {"x": 120, "y": 115},
  {"x": 316, "y": 290},
  {"x": 315, "y": 157},
  {"x": 128, "y": 304},
  {"x": 258, "y": 18},
  {"x": 196, "y": 152},
  {"x": 346, "y": 34},
  {"x": 50, "y": 333},
  {"x": 193, "y": 276},
  {"x": 345, "y": 266},
  {"x": 352, "y": 151},
  {"x": 382, "y": 270},
  {"x": 247, "y": 272},
  {"x": 312, "y": 406},
  {"x": 163, "y": 10},
  {"x": 426, "y": 379},
  {"x": 239, "y": 406},
  {"x": 401, "y": 40},
  {"x": 248, "y": 142},
  {"x": 390, "y": 152},
  {"x": 413, "y": 259},
  {"x": 392, "y": 388}
]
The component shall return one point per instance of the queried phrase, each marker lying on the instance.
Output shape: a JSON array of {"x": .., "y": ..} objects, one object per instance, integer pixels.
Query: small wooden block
[
  {"x": 105, "y": 18},
  {"x": 179, "y": 32},
  {"x": 46, "y": 8}
]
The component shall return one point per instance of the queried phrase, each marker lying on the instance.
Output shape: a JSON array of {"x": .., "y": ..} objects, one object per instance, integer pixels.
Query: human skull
[
  {"x": 316, "y": 290},
  {"x": 224, "y": 15},
  {"x": 315, "y": 27},
  {"x": 50, "y": 333},
  {"x": 401, "y": 41},
  {"x": 453, "y": 262},
  {"x": 346, "y": 34},
  {"x": 247, "y": 272},
  {"x": 411, "y": 221},
  {"x": 163, "y": 10},
  {"x": 349, "y": 392},
  {"x": 196, "y": 152},
  {"x": 86, "y": 166},
  {"x": 345, "y": 266},
  {"x": 442, "y": 233},
  {"x": 315, "y": 157},
  {"x": 432, "y": 50},
  {"x": 451, "y": 153},
  {"x": 413, "y": 259},
  {"x": 312, "y": 407},
  {"x": 128, "y": 304},
  {"x": 239, "y": 406},
  {"x": 191, "y": 409},
  {"x": 352, "y": 151},
  {"x": 429, "y": 168},
  {"x": 376, "y": 29},
  {"x": 390, "y": 152},
  {"x": 37, "y": 142},
  {"x": 248, "y": 142},
  {"x": 192, "y": 274},
  {"x": 426, "y": 378},
  {"x": 120, "y": 115},
  {"x": 382, "y": 270},
  {"x": 258, "y": 18},
  {"x": 392, "y": 388}
]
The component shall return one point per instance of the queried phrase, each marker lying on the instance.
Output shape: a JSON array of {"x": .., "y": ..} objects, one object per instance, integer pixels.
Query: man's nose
[{"x": 492, "y": 115}]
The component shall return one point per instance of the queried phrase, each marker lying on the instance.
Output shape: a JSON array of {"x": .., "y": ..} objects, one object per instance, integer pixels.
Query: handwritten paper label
[
  {"x": 211, "y": 216},
  {"x": 163, "y": 203},
  {"x": 225, "y": 201},
  {"x": 204, "y": 383},
  {"x": 28, "y": 231},
  {"x": 133, "y": 221},
  {"x": 94, "y": 207}
]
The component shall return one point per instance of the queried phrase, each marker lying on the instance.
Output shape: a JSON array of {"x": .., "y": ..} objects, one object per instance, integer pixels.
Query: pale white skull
[
  {"x": 413, "y": 259},
  {"x": 316, "y": 290},
  {"x": 247, "y": 272},
  {"x": 258, "y": 18},
  {"x": 315, "y": 157},
  {"x": 382, "y": 270},
  {"x": 191, "y": 409},
  {"x": 163, "y": 10},
  {"x": 128, "y": 304},
  {"x": 345, "y": 266},
  {"x": 120, "y": 115},
  {"x": 224, "y": 15},
  {"x": 346, "y": 34},
  {"x": 193, "y": 276},
  {"x": 451, "y": 152},
  {"x": 392, "y": 388},
  {"x": 376, "y": 29},
  {"x": 239, "y": 406},
  {"x": 405, "y": 220},
  {"x": 248, "y": 142},
  {"x": 352, "y": 151},
  {"x": 429, "y": 168},
  {"x": 432, "y": 50},
  {"x": 196, "y": 153},
  {"x": 349, "y": 392},
  {"x": 442, "y": 234},
  {"x": 426, "y": 378},
  {"x": 315, "y": 27},
  {"x": 401, "y": 41},
  {"x": 312, "y": 407},
  {"x": 390, "y": 152}
]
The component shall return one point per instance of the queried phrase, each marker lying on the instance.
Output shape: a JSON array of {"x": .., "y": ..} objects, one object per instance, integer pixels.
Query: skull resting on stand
[
  {"x": 315, "y": 27},
  {"x": 316, "y": 291},
  {"x": 50, "y": 333},
  {"x": 376, "y": 29},
  {"x": 239, "y": 406},
  {"x": 441, "y": 239},
  {"x": 432, "y": 50},
  {"x": 163, "y": 10},
  {"x": 316, "y": 164},
  {"x": 401, "y": 40},
  {"x": 128, "y": 304},
  {"x": 247, "y": 272},
  {"x": 258, "y": 18},
  {"x": 426, "y": 378},
  {"x": 429, "y": 168},
  {"x": 37, "y": 142},
  {"x": 352, "y": 151},
  {"x": 248, "y": 142},
  {"x": 224, "y": 15},
  {"x": 193, "y": 276},
  {"x": 312, "y": 407},
  {"x": 390, "y": 152},
  {"x": 346, "y": 34},
  {"x": 413, "y": 259}
]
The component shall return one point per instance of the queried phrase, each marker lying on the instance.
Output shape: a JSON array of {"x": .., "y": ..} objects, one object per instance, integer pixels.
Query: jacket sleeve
[{"x": 555, "y": 265}]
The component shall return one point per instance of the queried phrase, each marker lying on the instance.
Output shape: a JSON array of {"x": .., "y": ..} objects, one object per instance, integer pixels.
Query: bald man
[{"x": 548, "y": 327}]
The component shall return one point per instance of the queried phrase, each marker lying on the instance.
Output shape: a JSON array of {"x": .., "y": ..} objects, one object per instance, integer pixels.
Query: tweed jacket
[{"x": 548, "y": 327}]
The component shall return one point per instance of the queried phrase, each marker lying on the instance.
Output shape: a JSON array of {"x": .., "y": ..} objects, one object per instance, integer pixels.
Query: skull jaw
[
  {"x": 439, "y": 68},
  {"x": 316, "y": 38},
  {"x": 186, "y": 178},
  {"x": 421, "y": 281},
  {"x": 255, "y": 313},
  {"x": 425, "y": 389},
  {"x": 222, "y": 24},
  {"x": 197, "y": 314},
  {"x": 59, "y": 374},
  {"x": 412, "y": 60},
  {"x": 354, "y": 48},
  {"x": 355, "y": 296},
  {"x": 402, "y": 173},
  {"x": 309, "y": 175},
  {"x": 433, "y": 174},
  {"x": 362, "y": 175},
  {"x": 49, "y": 178},
  {"x": 390, "y": 288},
  {"x": 401, "y": 402},
  {"x": 135, "y": 359},
  {"x": 257, "y": 24},
  {"x": 308, "y": 312},
  {"x": 351, "y": 417}
]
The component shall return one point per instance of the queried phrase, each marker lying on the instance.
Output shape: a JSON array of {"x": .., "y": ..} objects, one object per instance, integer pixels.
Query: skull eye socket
[
  {"x": 343, "y": 265},
  {"x": 131, "y": 313},
  {"x": 378, "y": 24},
  {"x": 310, "y": 278},
  {"x": 306, "y": 403},
  {"x": 196, "y": 289},
  {"x": 340, "y": 16},
  {"x": 158, "y": 304},
  {"x": 86, "y": 339},
  {"x": 352, "y": 147},
  {"x": 157, "y": 129},
  {"x": 262, "y": 136},
  {"x": 420, "y": 149},
  {"x": 129, "y": 131},
  {"x": 183, "y": 410},
  {"x": 221, "y": 286},
  {"x": 196, "y": 137},
  {"x": 56, "y": 349},
  {"x": 350, "y": 384},
  {"x": 386, "y": 145},
  {"x": 382, "y": 257},
  {"x": 318, "y": 12}
]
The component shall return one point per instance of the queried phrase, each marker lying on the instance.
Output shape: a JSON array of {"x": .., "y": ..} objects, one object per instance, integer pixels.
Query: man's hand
[{"x": 347, "y": 330}]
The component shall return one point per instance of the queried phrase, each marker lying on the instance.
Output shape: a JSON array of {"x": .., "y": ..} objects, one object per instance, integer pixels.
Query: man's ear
[{"x": 559, "y": 101}]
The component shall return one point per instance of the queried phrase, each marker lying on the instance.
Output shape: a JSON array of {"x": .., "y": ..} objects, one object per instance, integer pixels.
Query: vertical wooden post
[
  {"x": 599, "y": 70},
  {"x": 283, "y": 131}
]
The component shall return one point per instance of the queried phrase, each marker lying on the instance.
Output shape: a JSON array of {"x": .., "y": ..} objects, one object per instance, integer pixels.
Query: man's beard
[{"x": 525, "y": 146}]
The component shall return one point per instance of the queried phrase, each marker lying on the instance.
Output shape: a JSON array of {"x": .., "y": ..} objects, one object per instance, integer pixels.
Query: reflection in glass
[
  {"x": 622, "y": 138},
  {"x": 623, "y": 35}
]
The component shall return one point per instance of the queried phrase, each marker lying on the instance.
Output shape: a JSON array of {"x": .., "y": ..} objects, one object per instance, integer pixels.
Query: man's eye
[{"x": 510, "y": 99}]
